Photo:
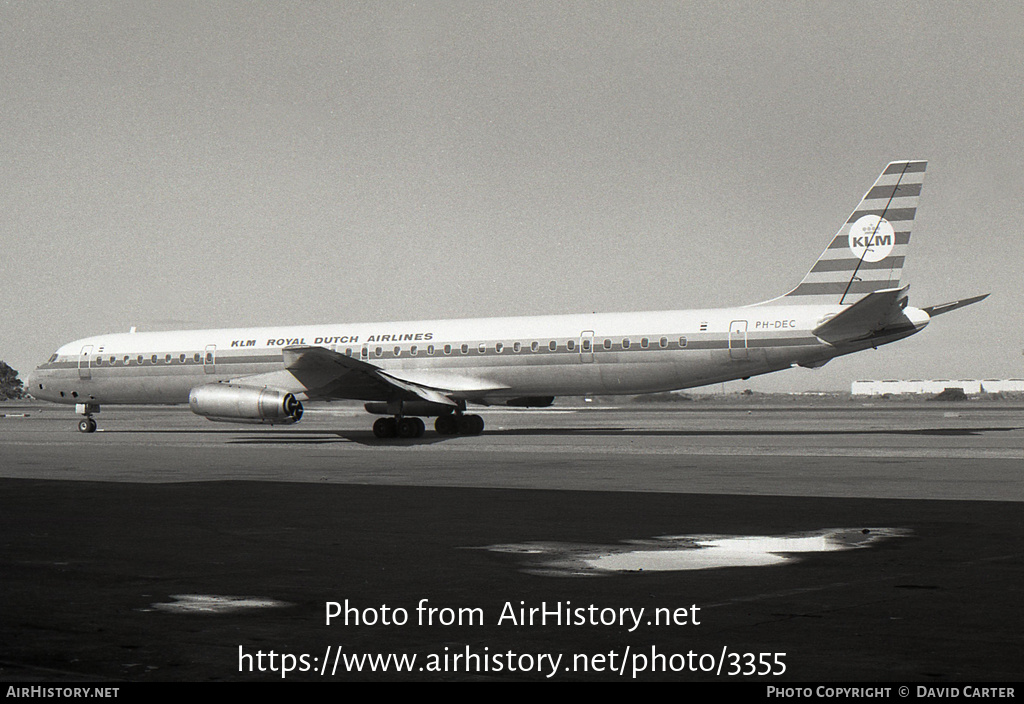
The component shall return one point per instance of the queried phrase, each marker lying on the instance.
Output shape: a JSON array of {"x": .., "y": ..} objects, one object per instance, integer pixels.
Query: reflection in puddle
[
  {"x": 687, "y": 552},
  {"x": 213, "y": 604}
]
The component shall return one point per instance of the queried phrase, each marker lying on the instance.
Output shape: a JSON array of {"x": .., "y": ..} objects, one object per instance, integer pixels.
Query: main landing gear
[
  {"x": 413, "y": 427},
  {"x": 459, "y": 424},
  {"x": 400, "y": 426},
  {"x": 87, "y": 424}
]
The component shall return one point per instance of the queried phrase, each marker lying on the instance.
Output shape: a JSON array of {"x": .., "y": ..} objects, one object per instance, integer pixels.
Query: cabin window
[
  {"x": 464, "y": 348},
  {"x": 430, "y": 349},
  {"x": 644, "y": 342},
  {"x": 167, "y": 359},
  {"x": 99, "y": 361},
  {"x": 197, "y": 358},
  {"x": 625, "y": 343},
  {"x": 570, "y": 345},
  {"x": 348, "y": 351},
  {"x": 552, "y": 345},
  {"x": 364, "y": 352},
  {"x": 517, "y": 346},
  {"x": 127, "y": 359},
  {"x": 378, "y": 351},
  {"x": 209, "y": 357},
  {"x": 586, "y": 344},
  {"x": 152, "y": 360},
  {"x": 663, "y": 342},
  {"x": 113, "y": 359},
  {"x": 607, "y": 344},
  {"x": 498, "y": 347},
  {"x": 482, "y": 348},
  {"x": 414, "y": 350},
  {"x": 447, "y": 349},
  {"x": 682, "y": 342},
  {"x": 534, "y": 346},
  {"x": 398, "y": 351},
  {"x": 181, "y": 358},
  {"x": 139, "y": 359}
]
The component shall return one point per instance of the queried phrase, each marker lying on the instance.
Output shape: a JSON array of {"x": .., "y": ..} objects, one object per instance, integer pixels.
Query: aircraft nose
[{"x": 33, "y": 380}]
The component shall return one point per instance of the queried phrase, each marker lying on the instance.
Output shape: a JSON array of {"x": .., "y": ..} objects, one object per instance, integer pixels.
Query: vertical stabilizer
[{"x": 868, "y": 252}]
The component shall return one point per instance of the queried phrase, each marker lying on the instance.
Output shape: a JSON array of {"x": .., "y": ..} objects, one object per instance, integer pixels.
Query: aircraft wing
[
  {"x": 316, "y": 373},
  {"x": 327, "y": 374},
  {"x": 876, "y": 311},
  {"x": 932, "y": 311}
]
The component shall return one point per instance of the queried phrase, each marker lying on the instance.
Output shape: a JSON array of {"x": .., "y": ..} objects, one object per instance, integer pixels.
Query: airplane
[{"x": 850, "y": 300}]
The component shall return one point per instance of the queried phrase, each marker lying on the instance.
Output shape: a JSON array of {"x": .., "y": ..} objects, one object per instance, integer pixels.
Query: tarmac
[{"x": 876, "y": 542}]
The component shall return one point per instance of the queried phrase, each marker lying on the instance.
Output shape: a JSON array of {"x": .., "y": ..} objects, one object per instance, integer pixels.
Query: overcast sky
[{"x": 183, "y": 165}]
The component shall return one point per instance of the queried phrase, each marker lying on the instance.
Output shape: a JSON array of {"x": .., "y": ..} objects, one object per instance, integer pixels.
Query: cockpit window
[{"x": 53, "y": 358}]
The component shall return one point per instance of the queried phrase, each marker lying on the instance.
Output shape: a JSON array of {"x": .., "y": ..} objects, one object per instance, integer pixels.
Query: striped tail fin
[{"x": 868, "y": 252}]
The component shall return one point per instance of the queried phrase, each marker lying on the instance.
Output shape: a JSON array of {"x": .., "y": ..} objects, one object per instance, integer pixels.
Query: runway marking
[
  {"x": 687, "y": 552},
  {"x": 213, "y": 604},
  {"x": 754, "y": 451}
]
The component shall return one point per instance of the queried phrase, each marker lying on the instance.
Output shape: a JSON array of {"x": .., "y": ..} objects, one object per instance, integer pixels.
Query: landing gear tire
[
  {"x": 470, "y": 425},
  {"x": 87, "y": 425},
  {"x": 446, "y": 425},
  {"x": 385, "y": 427},
  {"x": 410, "y": 427},
  {"x": 406, "y": 427}
]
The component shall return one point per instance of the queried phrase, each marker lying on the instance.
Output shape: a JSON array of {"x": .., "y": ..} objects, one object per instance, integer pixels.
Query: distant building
[{"x": 935, "y": 386}]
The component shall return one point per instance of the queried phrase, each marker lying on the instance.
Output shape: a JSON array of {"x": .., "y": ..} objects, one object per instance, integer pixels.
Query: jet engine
[{"x": 245, "y": 404}]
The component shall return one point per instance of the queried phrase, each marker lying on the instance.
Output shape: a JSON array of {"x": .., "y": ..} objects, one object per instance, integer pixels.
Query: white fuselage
[{"x": 486, "y": 360}]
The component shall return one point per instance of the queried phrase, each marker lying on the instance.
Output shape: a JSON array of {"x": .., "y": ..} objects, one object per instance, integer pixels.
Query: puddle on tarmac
[
  {"x": 213, "y": 604},
  {"x": 687, "y": 552}
]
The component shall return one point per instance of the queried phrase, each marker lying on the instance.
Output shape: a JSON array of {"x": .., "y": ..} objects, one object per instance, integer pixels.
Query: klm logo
[
  {"x": 871, "y": 241},
  {"x": 871, "y": 238}
]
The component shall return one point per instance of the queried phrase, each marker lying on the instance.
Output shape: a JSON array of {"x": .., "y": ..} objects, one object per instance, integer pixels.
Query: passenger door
[
  {"x": 587, "y": 346},
  {"x": 85, "y": 363},
  {"x": 738, "y": 339}
]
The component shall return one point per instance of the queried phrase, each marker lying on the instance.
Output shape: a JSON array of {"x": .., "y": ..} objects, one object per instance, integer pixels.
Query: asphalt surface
[{"x": 875, "y": 543}]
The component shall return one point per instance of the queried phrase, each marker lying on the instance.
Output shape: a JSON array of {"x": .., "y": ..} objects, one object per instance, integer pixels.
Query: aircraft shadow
[
  {"x": 360, "y": 437},
  {"x": 295, "y": 437}
]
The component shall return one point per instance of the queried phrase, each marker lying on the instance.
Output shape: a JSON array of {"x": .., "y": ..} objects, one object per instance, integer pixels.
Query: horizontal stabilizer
[
  {"x": 932, "y": 311},
  {"x": 874, "y": 312}
]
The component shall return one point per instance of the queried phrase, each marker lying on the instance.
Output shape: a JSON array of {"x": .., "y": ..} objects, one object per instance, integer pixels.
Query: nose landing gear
[{"x": 87, "y": 424}]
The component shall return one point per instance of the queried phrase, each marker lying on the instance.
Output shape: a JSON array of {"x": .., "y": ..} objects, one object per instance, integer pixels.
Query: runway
[{"x": 798, "y": 543}]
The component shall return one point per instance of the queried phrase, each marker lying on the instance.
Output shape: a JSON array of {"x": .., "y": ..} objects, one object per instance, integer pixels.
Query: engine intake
[{"x": 245, "y": 404}]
